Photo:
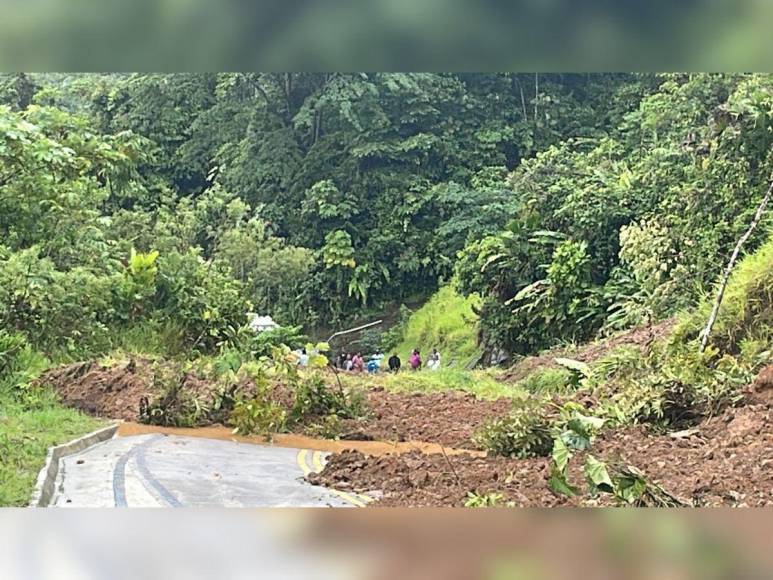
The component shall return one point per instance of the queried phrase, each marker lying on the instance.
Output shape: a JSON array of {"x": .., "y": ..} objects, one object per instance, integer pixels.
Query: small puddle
[{"x": 374, "y": 448}]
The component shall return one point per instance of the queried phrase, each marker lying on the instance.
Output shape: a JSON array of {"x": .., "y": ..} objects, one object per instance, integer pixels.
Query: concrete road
[{"x": 172, "y": 471}]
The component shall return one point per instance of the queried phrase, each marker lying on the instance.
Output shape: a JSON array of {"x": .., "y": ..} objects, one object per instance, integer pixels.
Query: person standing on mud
[
  {"x": 433, "y": 362},
  {"x": 394, "y": 363},
  {"x": 415, "y": 360}
]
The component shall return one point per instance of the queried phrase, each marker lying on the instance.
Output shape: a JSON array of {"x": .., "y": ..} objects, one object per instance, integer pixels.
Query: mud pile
[
  {"x": 116, "y": 392},
  {"x": 112, "y": 392},
  {"x": 725, "y": 461},
  {"x": 419, "y": 480},
  {"x": 448, "y": 418}
]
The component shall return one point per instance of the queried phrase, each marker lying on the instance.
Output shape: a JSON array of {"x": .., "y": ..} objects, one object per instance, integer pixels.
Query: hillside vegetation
[
  {"x": 448, "y": 323},
  {"x": 142, "y": 216}
]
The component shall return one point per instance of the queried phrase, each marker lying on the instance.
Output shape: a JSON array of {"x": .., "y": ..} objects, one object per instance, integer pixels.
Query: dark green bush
[{"x": 525, "y": 432}]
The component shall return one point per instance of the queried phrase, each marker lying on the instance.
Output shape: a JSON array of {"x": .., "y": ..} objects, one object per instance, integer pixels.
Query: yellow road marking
[
  {"x": 316, "y": 459},
  {"x": 302, "y": 462}
]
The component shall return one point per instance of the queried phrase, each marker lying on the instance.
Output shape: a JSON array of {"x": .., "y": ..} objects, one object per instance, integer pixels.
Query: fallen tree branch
[{"x": 721, "y": 292}]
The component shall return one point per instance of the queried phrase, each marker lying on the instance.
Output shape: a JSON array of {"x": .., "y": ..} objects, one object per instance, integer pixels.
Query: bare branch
[{"x": 723, "y": 285}]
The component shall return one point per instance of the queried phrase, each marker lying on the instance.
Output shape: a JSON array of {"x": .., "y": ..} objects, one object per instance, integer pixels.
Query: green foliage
[
  {"x": 175, "y": 406},
  {"x": 31, "y": 419},
  {"x": 525, "y": 432},
  {"x": 446, "y": 322},
  {"x": 746, "y": 313},
  {"x": 391, "y": 338},
  {"x": 481, "y": 383},
  {"x": 258, "y": 412},
  {"x": 647, "y": 215},
  {"x": 328, "y": 427},
  {"x": 548, "y": 381},
  {"x": 315, "y": 398},
  {"x": 627, "y": 484},
  {"x": 477, "y": 500}
]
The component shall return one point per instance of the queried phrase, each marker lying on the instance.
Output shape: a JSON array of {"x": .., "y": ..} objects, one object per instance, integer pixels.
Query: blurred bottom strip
[{"x": 384, "y": 543}]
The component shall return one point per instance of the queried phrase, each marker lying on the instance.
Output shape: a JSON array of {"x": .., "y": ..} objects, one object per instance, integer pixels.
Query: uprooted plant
[{"x": 627, "y": 484}]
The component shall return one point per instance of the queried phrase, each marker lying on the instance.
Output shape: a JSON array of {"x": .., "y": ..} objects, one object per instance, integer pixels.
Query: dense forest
[{"x": 165, "y": 207}]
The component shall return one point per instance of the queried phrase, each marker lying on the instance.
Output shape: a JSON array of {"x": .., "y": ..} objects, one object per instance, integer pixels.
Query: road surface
[{"x": 156, "y": 470}]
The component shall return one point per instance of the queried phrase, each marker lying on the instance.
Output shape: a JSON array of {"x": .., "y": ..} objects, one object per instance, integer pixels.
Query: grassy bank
[
  {"x": 31, "y": 420},
  {"x": 481, "y": 383},
  {"x": 446, "y": 322},
  {"x": 27, "y": 430}
]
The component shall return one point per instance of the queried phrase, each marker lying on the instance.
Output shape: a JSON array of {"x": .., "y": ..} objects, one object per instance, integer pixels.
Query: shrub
[
  {"x": 548, "y": 381},
  {"x": 176, "y": 406},
  {"x": 328, "y": 427},
  {"x": 313, "y": 398},
  {"x": 525, "y": 432},
  {"x": 258, "y": 414},
  {"x": 675, "y": 387},
  {"x": 19, "y": 364},
  {"x": 482, "y": 500}
]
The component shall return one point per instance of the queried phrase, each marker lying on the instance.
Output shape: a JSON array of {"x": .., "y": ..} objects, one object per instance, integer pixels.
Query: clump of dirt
[
  {"x": 762, "y": 389},
  {"x": 448, "y": 418},
  {"x": 113, "y": 392},
  {"x": 726, "y": 460},
  {"x": 639, "y": 338},
  {"x": 419, "y": 480}
]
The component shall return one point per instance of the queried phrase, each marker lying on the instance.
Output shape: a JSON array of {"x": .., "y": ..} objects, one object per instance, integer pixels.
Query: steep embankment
[{"x": 446, "y": 322}]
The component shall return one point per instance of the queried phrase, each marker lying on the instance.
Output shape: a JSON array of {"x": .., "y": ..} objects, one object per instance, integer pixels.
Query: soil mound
[
  {"x": 116, "y": 392},
  {"x": 113, "y": 392},
  {"x": 419, "y": 480},
  {"x": 448, "y": 418},
  {"x": 724, "y": 461},
  {"x": 640, "y": 338}
]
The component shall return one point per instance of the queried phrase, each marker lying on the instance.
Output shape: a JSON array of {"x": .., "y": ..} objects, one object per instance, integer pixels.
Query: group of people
[
  {"x": 433, "y": 361},
  {"x": 355, "y": 362}
]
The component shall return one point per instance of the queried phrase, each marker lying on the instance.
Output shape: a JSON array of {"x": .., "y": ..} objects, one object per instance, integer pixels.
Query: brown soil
[
  {"x": 726, "y": 460},
  {"x": 637, "y": 338},
  {"x": 418, "y": 480},
  {"x": 762, "y": 390},
  {"x": 448, "y": 418},
  {"x": 110, "y": 392}
]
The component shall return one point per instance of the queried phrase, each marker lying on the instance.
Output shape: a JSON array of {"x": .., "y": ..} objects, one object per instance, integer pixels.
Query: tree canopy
[{"x": 572, "y": 204}]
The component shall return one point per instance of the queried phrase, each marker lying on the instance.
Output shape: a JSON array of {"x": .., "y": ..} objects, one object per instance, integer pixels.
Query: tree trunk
[{"x": 721, "y": 292}]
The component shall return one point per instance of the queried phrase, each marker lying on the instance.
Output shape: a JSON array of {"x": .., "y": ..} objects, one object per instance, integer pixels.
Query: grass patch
[
  {"x": 31, "y": 420},
  {"x": 27, "y": 430},
  {"x": 481, "y": 383},
  {"x": 446, "y": 322},
  {"x": 745, "y": 320}
]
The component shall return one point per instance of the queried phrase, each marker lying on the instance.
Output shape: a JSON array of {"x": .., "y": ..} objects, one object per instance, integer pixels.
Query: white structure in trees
[{"x": 260, "y": 323}]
